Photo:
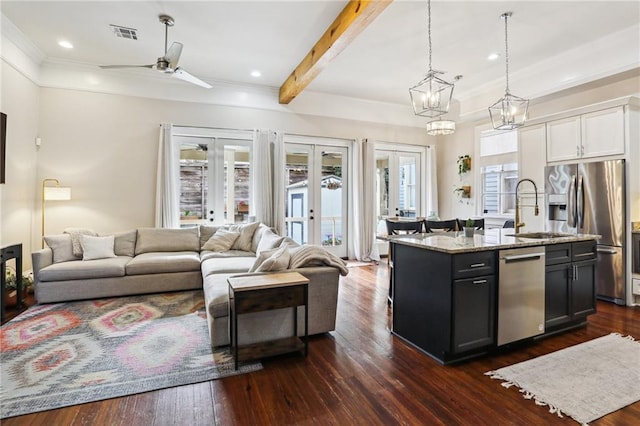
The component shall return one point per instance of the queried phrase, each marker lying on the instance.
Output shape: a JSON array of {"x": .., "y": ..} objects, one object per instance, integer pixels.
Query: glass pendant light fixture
[
  {"x": 441, "y": 127},
  {"x": 510, "y": 112},
  {"x": 432, "y": 96}
]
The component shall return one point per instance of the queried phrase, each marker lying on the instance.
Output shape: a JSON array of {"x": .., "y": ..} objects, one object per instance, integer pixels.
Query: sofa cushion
[
  {"x": 76, "y": 238},
  {"x": 268, "y": 240},
  {"x": 257, "y": 235},
  {"x": 167, "y": 240},
  {"x": 216, "y": 294},
  {"x": 227, "y": 265},
  {"x": 206, "y": 254},
  {"x": 62, "y": 247},
  {"x": 125, "y": 243},
  {"x": 97, "y": 247},
  {"x": 278, "y": 261},
  {"x": 222, "y": 240},
  {"x": 82, "y": 270},
  {"x": 162, "y": 262}
]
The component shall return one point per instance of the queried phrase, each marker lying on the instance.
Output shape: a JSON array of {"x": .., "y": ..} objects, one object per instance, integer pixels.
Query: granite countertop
[{"x": 491, "y": 239}]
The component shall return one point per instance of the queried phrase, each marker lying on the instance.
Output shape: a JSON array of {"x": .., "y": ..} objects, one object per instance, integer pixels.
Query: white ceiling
[{"x": 552, "y": 44}]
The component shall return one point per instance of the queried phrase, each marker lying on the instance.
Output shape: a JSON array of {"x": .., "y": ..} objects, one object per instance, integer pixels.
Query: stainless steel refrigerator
[{"x": 589, "y": 198}]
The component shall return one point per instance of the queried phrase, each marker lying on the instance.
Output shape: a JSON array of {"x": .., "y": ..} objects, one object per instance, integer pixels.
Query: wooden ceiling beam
[{"x": 354, "y": 18}]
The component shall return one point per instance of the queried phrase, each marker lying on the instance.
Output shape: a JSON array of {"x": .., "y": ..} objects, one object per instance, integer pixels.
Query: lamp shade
[
  {"x": 57, "y": 193},
  {"x": 441, "y": 127}
]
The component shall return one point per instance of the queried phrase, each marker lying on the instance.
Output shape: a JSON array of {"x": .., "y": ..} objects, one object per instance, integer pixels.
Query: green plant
[
  {"x": 464, "y": 164},
  {"x": 11, "y": 280},
  {"x": 469, "y": 223}
]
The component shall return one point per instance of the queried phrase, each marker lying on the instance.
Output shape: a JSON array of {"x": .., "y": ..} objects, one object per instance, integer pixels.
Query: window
[
  {"x": 498, "y": 188},
  {"x": 498, "y": 172}
]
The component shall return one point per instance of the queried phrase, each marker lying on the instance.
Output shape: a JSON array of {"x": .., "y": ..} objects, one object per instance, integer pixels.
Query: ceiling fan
[{"x": 168, "y": 63}]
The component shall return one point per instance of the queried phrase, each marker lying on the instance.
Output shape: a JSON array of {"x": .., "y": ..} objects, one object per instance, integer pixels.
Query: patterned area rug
[
  {"x": 586, "y": 381},
  {"x": 65, "y": 354}
]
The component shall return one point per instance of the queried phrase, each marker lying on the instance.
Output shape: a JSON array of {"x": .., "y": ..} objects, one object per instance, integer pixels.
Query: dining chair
[
  {"x": 477, "y": 223},
  {"x": 441, "y": 225},
  {"x": 399, "y": 227},
  {"x": 509, "y": 224}
]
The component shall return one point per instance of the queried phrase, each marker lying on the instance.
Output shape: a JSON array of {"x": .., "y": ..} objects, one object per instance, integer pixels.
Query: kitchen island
[{"x": 457, "y": 297}]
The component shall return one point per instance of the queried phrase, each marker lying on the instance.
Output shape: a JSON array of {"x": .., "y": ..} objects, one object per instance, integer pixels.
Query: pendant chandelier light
[
  {"x": 441, "y": 127},
  {"x": 510, "y": 112},
  {"x": 432, "y": 96}
]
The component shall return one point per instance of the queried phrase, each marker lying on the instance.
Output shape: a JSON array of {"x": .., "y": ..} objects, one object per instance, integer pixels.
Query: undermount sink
[{"x": 540, "y": 235}]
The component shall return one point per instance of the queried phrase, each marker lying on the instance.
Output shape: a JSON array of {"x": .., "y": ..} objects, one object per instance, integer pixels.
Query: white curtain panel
[
  {"x": 277, "y": 142},
  {"x": 167, "y": 180},
  {"x": 432, "y": 180},
  {"x": 364, "y": 190},
  {"x": 262, "y": 172}
]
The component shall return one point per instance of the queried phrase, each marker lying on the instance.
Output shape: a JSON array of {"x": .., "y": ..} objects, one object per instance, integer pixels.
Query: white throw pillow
[
  {"x": 246, "y": 235},
  {"x": 97, "y": 247},
  {"x": 278, "y": 261},
  {"x": 222, "y": 240},
  {"x": 268, "y": 241}
]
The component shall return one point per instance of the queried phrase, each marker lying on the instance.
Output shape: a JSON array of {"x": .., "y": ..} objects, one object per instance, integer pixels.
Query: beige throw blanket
[{"x": 310, "y": 255}]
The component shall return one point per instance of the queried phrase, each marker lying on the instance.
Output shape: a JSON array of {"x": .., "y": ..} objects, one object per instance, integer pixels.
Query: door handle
[
  {"x": 571, "y": 203},
  {"x": 606, "y": 250},
  {"x": 580, "y": 203},
  {"x": 531, "y": 256}
]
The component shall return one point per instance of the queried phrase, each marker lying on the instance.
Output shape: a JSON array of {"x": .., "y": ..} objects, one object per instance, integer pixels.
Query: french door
[
  {"x": 215, "y": 180},
  {"x": 316, "y": 189},
  {"x": 398, "y": 183}
]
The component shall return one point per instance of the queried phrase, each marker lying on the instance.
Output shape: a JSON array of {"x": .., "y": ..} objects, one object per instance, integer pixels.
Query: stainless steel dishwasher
[{"x": 520, "y": 294}]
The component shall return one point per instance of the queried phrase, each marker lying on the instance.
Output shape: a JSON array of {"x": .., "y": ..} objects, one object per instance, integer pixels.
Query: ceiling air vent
[{"x": 125, "y": 32}]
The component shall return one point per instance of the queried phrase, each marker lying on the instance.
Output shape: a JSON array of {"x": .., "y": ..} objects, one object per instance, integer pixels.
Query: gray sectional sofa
[{"x": 153, "y": 260}]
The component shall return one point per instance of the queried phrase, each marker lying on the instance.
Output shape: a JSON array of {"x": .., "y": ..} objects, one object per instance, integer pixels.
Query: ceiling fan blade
[
  {"x": 106, "y": 67},
  {"x": 173, "y": 54},
  {"x": 183, "y": 75}
]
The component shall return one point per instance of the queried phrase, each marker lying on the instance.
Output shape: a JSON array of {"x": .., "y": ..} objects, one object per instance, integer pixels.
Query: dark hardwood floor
[{"x": 358, "y": 374}]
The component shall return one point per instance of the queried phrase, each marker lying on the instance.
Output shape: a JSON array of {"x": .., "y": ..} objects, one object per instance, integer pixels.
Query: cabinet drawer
[
  {"x": 470, "y": 265},
  {"x": 268, "y": 299},
  {"x": 583, "y": 250},
  {"x": 558, "y": 253}
]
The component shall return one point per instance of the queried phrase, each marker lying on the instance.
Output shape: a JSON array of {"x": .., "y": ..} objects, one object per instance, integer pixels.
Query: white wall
[
  {"x": 105, "y": 147},
  {"x": 20, "y": 99}
]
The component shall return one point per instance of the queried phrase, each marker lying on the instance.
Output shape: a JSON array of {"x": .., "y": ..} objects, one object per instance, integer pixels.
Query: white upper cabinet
[
  {"x": 597, "y": 134},
  {"x": 603, "y": 133}
]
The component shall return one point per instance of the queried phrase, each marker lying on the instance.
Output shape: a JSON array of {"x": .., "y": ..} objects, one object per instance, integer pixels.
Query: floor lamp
[{"x": 53, "y": 193}]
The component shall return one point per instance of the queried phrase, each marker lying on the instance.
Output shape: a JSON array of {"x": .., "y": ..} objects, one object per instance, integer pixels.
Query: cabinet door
[
  {"x": 557, "y": 307},
  {"x": 532, "y": 160},
  {"x": 603, "y": 133},
  {"x": 473, "y": 313},
  {"x": 583, "y": 289},
  {"x": 563, "y": 139}
]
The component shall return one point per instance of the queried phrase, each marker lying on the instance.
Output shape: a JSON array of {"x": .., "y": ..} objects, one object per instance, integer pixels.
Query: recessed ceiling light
[
  {"x": 255, "y": 73},
  {"x": 493, "y": 56},
  {"x": 65, "y": 44}
]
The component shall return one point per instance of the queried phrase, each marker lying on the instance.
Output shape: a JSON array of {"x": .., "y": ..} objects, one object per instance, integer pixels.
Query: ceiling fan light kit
[
  {"x": 168, "y": 63},
  {"x": 509, "y": 112},
  {"x": 431, "y": 97}
]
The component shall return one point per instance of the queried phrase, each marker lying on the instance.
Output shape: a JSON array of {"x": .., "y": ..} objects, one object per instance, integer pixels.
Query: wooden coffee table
[{"x": 259, "y": 293}]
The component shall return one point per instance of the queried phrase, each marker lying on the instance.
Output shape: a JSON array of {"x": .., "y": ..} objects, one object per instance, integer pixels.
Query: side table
[
  {"x": 262, "y": 293},
  {"x": 6, "y": 253}
]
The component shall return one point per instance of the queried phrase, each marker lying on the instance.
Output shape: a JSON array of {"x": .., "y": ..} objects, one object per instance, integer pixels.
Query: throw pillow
[
  {"x": 262, "y": 256},
  {"x": 268, "y": 241},
  {"x": 61, "y": 247},
  {"x": 124, "y": 243},
  {"x": 97, "y": 247},
  {"x": 278, "y": 261},
  {"x": 246, "y": 235},
  {"x": 76, "y": 236},
  {"x": 222, "y": 240}
]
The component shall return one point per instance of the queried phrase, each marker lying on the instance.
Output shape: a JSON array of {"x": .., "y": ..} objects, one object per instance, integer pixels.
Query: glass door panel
[
  {"x": 407, "y": 184},
  {"x": 316, "y": 195}
]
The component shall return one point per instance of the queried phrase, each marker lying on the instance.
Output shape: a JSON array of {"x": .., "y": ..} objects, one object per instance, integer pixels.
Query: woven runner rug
[
  {"x": 585, "y": 381},
  {"x": 64, "y": 354}
]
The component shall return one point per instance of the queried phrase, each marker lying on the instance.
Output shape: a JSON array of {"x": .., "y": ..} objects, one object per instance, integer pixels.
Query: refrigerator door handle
[
  {"x": 571, "y": 203},
  {"x": 580, "y": 203},
  {"x": 606, "y": 250}
]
